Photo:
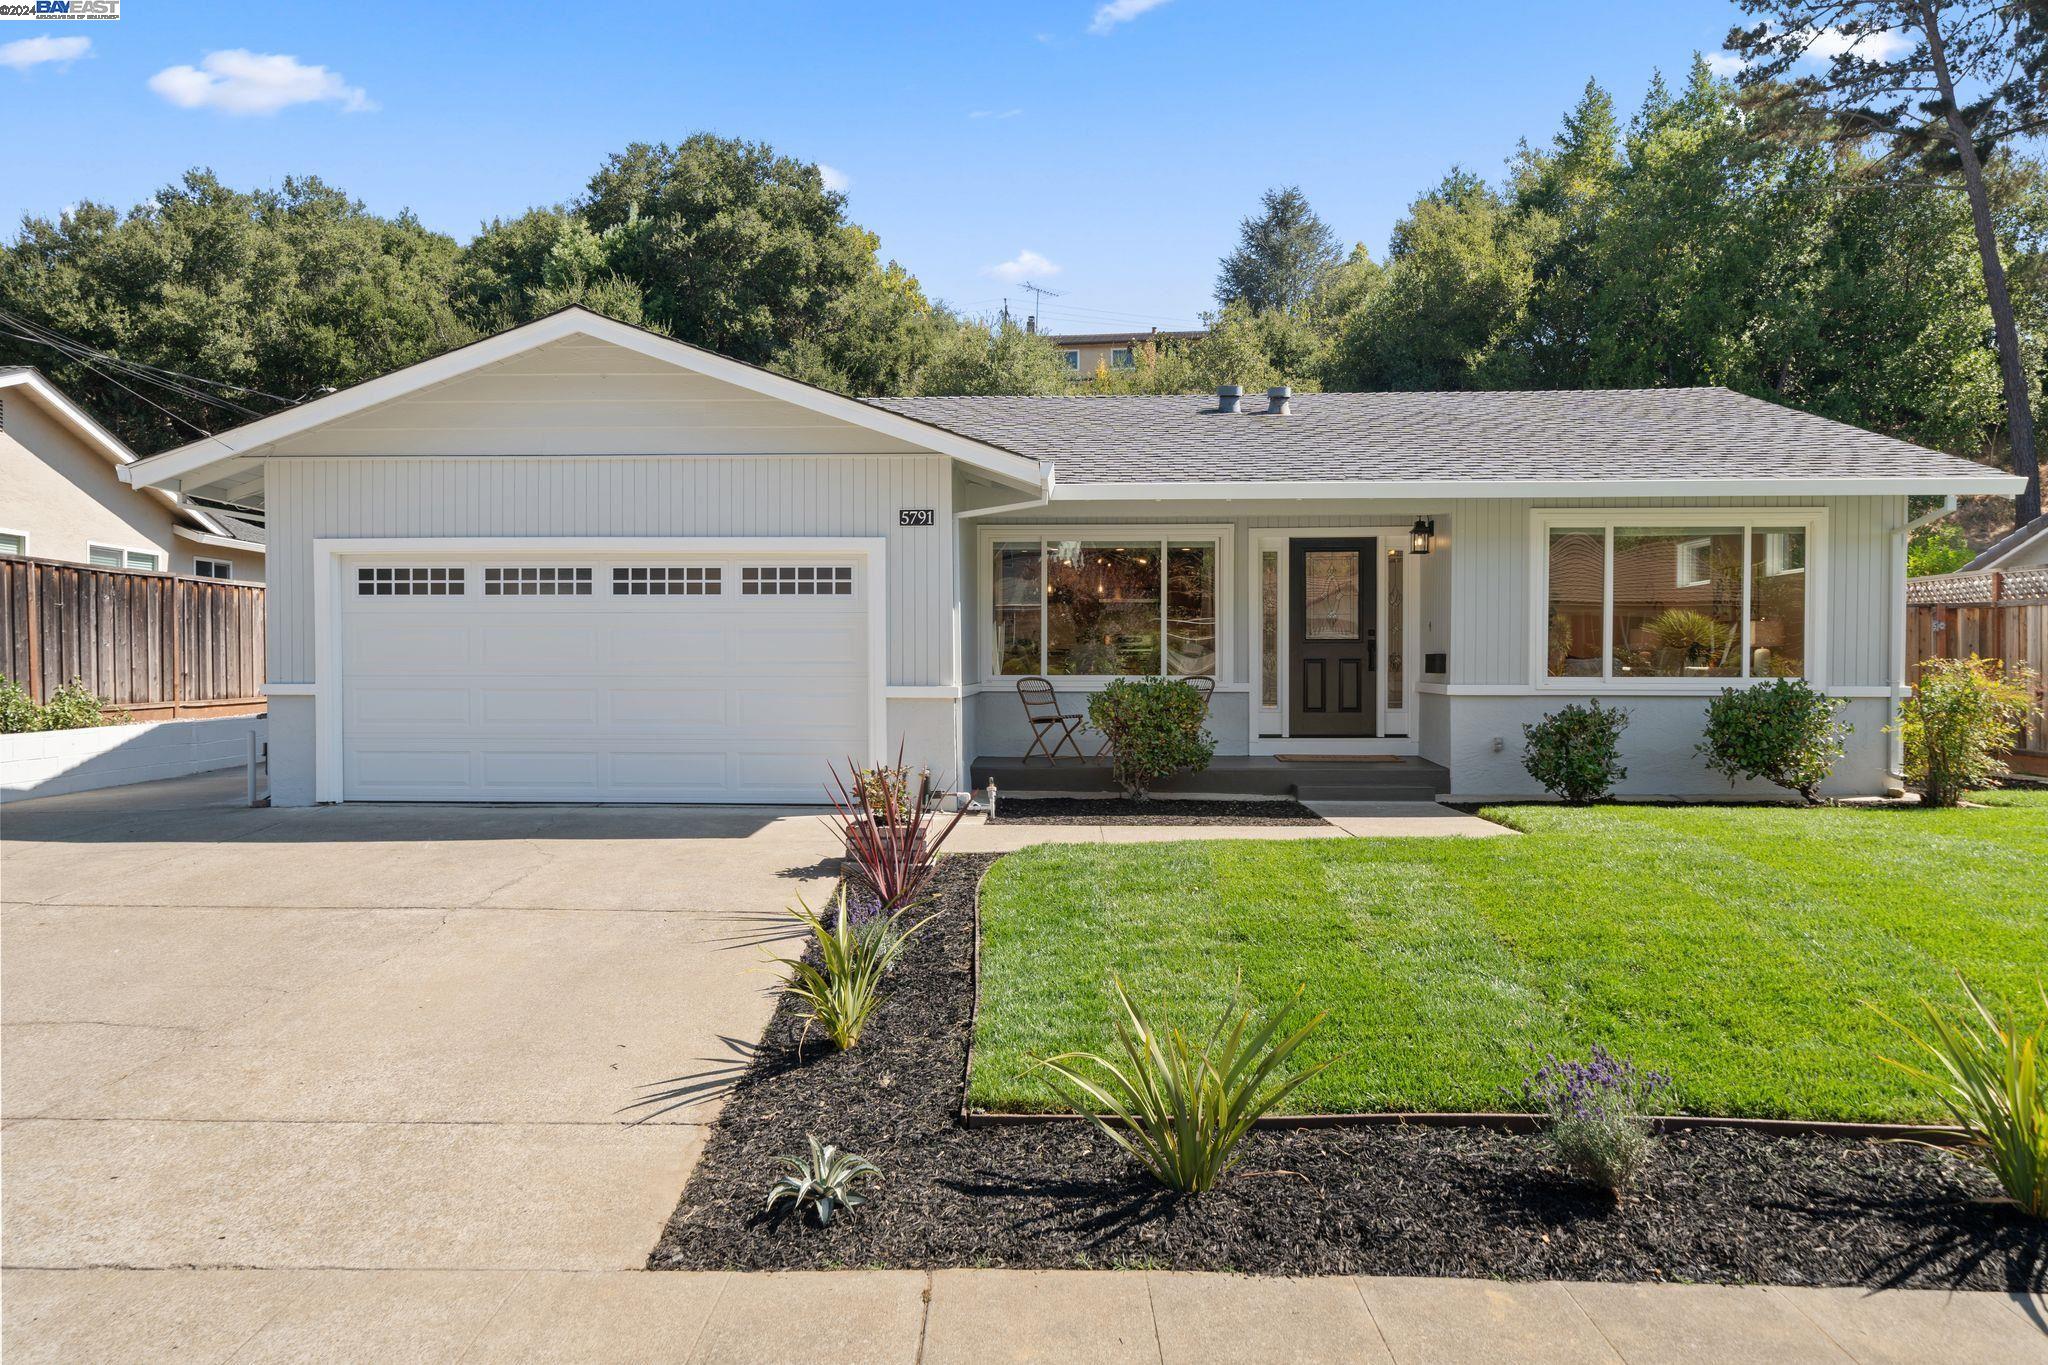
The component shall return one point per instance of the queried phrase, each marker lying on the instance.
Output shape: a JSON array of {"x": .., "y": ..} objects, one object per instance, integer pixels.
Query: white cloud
[
  {"x": 1022, "y": 266},
  {"x": 24, "y": 53},
  {"x": 1114, "y": 12},
  {"x": 237, "y": 81},
  {"x": 836, "y": 180},
  {"x": 994, "y": 113},
  {"x": 1830, "y": 43},
  {"x": 1726, "y": 65}
]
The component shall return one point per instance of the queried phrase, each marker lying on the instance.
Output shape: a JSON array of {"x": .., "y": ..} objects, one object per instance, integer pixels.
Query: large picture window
[
  {"x": 1105, "y": 607},
  {"x": 1629, "y": 600}
]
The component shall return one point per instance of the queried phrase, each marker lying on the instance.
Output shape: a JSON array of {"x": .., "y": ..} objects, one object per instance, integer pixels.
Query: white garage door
[{"x": 579, "y": 678}]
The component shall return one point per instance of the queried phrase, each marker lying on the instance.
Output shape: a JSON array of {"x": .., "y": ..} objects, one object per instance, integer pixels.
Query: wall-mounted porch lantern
[{"x": 1421, "y": 536}]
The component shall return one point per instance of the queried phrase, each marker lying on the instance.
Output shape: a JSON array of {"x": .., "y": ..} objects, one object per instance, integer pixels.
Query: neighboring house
[
  {"x": 580, "y": 561},
  {"x": 62, "y": 497},
  {"x": 1085, "y": 353},
  {"x": 2026, "y": 547}
]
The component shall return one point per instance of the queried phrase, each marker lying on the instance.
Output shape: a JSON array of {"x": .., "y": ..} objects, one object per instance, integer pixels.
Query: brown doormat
[{"x": 1338, "y": 758}]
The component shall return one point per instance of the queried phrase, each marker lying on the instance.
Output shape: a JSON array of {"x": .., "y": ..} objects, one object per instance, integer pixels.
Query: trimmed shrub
[
  {"x": 1781, "y": 731},
  {"x": 1964, "y": 714},
  {"x": 1576, "y": 752},
  {"x": 18, "y": 710},
  {"x": 1154, "y": 727}
]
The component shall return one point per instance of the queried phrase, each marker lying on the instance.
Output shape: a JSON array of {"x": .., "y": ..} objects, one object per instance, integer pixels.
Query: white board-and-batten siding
[{"x": 653, "y": 495}]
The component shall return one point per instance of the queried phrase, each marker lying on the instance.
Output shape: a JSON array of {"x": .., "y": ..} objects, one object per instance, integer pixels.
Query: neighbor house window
[
  {"x": 113, "y": 557},
  {"x": 1100, "y": 608},
  {"x": 1120, "y": 358},
  {"x": 212, "y": 568},
  {"x": 1628, "y": 601},
  {"x": 13, "y": 543},
  {"x": 1072, "y": 360}
]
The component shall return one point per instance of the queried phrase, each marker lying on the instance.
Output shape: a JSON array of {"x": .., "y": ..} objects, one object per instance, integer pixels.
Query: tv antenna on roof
[{"x": 1039, "y": 293}]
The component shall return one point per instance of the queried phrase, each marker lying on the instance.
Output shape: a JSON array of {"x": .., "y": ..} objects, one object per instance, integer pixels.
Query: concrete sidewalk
[
  {"x": 980, "y": 1316},
  {"x": 1346, "y": 820}
]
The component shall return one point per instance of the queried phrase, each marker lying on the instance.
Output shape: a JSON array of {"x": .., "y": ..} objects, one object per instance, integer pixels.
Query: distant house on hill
[{"x": 1087, "y": 352}]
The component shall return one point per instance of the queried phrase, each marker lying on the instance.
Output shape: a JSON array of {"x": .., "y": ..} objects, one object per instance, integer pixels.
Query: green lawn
[{"x": 1729, "y": 947}]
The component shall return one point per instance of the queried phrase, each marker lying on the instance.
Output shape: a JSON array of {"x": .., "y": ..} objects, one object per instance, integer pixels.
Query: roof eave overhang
[
  {"x": 224, "y": 542},
  {"x": 1385, "y": 490},
  {"x": 252, "y": 439}
]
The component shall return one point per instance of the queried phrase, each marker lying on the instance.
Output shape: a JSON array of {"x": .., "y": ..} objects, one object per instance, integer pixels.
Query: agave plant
[
  {"x": 1994, "y": 1084},
  {"x": 892, "y": 835},
  {"x": 1181, "y": 1106},
  {"x": 841, "y": 989},
  {"x": 822, "y": 1182}
]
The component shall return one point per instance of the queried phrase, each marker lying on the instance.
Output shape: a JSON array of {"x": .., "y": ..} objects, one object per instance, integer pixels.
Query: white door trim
[
  {"x": 328, "y": 555},
  {"x": 1276, "y": 538}
]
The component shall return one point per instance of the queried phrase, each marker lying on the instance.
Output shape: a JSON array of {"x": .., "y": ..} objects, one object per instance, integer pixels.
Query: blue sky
[{"x": 1118, "y": 144}]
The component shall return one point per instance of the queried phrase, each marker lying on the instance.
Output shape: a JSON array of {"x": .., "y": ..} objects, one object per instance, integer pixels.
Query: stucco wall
[{"x": 66, "y": 495}]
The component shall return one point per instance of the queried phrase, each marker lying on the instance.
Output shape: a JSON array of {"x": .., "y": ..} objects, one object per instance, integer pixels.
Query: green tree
[
  {"x": 734, "y": 246},
  {"x": 1282, "y": 255},
  {"x": 972, "y": 358},
  {"x": 281, "y": 292},
  {"x": 1458, "y": 277},
  {"x": 1948, "y": 85},
  {"x": 546, "y": 259}
]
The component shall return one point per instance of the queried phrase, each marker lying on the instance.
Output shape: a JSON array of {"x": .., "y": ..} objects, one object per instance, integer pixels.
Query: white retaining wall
[{"x": 56, "y": 761}]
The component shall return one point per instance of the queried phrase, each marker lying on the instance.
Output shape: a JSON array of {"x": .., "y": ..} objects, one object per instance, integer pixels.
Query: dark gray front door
[{"x": 1333, "y": 645}]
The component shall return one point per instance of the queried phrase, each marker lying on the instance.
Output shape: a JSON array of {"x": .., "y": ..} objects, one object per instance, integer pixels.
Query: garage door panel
[
  {"x": 665, "y": 643},
  {"x": 656, "y": 710},
  {"x": 398, "y": 772},
  {"x": 706, "y": 696},
  {"x": 528, "y": 707},
  {"x": 409, "y": 706},
  {"x": 376, "y": 647},
  {"x": 546, "y": 772}
]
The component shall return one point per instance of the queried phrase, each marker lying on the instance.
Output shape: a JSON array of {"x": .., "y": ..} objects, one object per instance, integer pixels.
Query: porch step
[
  {"x": 1406, "y": 779},
  {"x": 1407, "y": 791}
]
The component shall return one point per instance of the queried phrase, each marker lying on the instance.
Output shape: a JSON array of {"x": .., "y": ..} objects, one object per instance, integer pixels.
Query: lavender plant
[{"x": 1597, "y": 1129}]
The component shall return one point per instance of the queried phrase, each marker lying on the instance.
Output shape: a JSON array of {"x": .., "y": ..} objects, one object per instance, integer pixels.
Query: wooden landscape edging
[{"x": 1502, "y": 1122}]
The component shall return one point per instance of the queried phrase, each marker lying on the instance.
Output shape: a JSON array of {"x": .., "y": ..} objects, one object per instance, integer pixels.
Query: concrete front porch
[{"x": 1311, "y": 779}]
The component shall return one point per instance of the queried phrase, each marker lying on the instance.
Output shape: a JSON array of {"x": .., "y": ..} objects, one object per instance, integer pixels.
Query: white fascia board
[
  {"x": 1409, "y": 489},
  {"x": 252, "y": 437},
  {"x": 224, "y": 542}
]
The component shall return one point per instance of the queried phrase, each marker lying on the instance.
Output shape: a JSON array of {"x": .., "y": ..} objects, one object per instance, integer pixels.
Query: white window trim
[
  {"x": 227, "y": 577},
  {"x": 1071, "y": 359},
  {"x": 1541, "y": 522},
  {"x": 1129, "y": 354},
  {"x": 332, "y": 556},
  {"x": 1222, "y": 536},
  {"x": 124, "y": 551},
  {"x": 22, "y": 536}
]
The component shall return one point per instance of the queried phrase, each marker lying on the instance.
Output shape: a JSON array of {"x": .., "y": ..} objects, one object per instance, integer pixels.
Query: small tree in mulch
[
  {"x": 1959, "y": 721},
  {"x": 1154, "y": 727}
]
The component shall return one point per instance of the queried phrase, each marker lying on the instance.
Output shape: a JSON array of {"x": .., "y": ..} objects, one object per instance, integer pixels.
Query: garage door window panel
[
  {"x": 403, "y": 580},
  {"x": 538, "y": 580},
  {"x": 796, "y": 580},
  {"x": 668, "y": 580}
]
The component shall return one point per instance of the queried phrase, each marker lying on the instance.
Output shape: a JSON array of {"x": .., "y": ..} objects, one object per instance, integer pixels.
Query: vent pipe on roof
[
  {"x": 1228, "y": 396},
  {"x": 1276, "y": 400}
]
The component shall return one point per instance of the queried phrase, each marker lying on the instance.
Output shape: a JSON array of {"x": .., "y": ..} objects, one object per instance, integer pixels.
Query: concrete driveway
[{"x": 371, "y": 1037}]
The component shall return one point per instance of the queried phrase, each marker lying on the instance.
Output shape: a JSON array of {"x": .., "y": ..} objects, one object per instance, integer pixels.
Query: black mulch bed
[
  {"x": 1722, "y": 1206},
  {"x": 1073, "y": 810}
]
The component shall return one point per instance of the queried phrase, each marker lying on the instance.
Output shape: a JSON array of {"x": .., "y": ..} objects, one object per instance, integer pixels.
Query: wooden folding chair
[{"x": 1042, "y": 711}]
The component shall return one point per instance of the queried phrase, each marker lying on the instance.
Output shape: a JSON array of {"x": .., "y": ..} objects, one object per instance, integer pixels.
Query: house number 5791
[{"x": 916, "y": 516}]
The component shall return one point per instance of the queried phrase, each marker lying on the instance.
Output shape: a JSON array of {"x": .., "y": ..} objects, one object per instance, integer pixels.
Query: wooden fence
[
  {"x": 155, "y": 645},
  {"x": 1992, "y": 615}
]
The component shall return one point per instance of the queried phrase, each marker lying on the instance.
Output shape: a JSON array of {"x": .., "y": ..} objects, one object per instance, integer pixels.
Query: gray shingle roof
[
  {"x": 240, "y": 527},
  {"x": 1636, "y": 434}
]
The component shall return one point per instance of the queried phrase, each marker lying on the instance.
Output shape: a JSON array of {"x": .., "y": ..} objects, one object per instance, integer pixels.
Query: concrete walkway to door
[{"x": 373, "y": 1036}]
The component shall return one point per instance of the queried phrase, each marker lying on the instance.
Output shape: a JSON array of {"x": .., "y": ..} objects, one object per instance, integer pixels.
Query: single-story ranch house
[{"x": 579, "y": 561}]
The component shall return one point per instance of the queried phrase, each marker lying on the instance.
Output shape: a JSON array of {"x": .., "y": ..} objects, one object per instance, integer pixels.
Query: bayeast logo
[{"x": 62, "y": 9}]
